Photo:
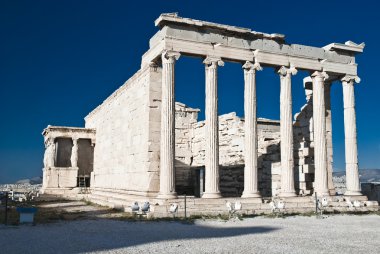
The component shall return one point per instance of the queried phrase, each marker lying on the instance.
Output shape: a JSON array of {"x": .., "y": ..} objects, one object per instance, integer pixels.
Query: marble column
[
  {"x": 212, "y": 135},
  {"x": 286, "y": 132},
  {"x": 167, "y": 149},
  {"x": 351, "y": 148},
  {"x": 329, "y": 143},
  {"x": 250, "y": 129},
  {"x": 74, "y": 153},
  {"x": 319, "y": 120}
]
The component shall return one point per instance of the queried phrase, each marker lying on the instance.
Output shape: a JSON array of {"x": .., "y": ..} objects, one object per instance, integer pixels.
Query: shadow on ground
[
  {"x": 80, "y": 227},
  {"x": 106, "y": 235}
]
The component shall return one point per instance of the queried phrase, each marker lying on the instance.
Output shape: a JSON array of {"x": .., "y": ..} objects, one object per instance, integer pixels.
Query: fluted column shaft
[
  {"x": 286, "y": 132},
  {"x": 351, "y": 148},
  {"x": 212, "y": 135},
  {"x": 74, "y": 153},
  {"x": 167, "y": 145},
  {"x": 319, "y": 120},
  {"x": 329, "y": 143},
  {"x": 250, "y": 129}
]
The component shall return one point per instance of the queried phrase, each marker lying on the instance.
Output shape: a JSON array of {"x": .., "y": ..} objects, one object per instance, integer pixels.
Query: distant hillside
[
  {"x": 366, "y": 175},
  {"x": 34, "y": 180}
]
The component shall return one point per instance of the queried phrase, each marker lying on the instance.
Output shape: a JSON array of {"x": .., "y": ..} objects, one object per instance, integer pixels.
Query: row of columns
[{"x": 167, "y": 153}]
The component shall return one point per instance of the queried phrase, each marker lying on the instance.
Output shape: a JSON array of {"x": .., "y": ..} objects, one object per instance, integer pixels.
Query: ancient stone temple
[{"x": 142, "y": 145}]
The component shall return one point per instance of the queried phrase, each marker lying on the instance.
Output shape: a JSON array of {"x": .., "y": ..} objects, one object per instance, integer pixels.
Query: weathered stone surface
[{"x": 127, "y": 135}]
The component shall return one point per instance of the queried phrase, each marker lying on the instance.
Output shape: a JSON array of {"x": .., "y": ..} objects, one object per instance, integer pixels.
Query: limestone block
[
  {"x": 52, "y": 177},
  {"x": 67, "y": 177}
]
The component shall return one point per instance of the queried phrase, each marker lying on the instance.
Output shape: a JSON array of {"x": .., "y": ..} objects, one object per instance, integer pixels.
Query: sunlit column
[
  {"x": 286, "y": 130},
  {"x": 351, "y": 148},
  {"x": 250, "y": 129},
  {"x": 329, "y": 143},
  {"x": 212, "y": 137},
  {"x": 167, "y": 149},
  {"x": 319, "y": 120}
]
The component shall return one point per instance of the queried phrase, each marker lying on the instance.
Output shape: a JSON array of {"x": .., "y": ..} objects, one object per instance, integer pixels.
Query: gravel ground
[{"x": 334, "y": 234}]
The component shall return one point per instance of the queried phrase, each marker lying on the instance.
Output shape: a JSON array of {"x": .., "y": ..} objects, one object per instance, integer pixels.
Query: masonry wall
[
  {"x": 126, "y": 126},
  {"x": 231, "y": 154},
  {"x": 303, "y": 133},
  {"x": 190, "y": 152}
]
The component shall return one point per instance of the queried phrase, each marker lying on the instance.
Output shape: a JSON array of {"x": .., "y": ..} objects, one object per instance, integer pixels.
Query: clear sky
[{"x": 60, "y": 59}]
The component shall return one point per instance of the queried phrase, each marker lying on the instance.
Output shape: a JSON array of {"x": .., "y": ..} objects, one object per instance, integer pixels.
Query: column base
[
  {"x": 353, "y": 193},
  {"x": 287, "y": 194},
  {"x": 167, "y": 195},
  {"x": 211, "y": 195},
  {"x": 251, "y": 195}
]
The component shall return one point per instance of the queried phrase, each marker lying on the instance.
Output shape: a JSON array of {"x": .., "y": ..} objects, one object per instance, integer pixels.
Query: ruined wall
[
  {"x": 303, "y": 133},
  {"x": 185, "y": 117},
  {"x": 190, "y": 152},
  {"x": 304, "y": 148},
  {"x": 231, "y": 153},
  {"x": 125, "y": 128}
]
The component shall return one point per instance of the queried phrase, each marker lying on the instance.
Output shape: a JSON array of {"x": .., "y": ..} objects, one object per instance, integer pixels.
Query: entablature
[
  {"x": 200, "y": 39},
  {"x": 52, "y": 132}
]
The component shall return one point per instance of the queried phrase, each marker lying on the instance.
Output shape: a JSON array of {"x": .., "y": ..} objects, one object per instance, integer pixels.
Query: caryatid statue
[{"x": 49, "y": 153}]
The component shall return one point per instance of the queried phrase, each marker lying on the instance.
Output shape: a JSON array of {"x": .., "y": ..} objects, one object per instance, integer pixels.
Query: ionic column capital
[
  {"x": 320, "y": 75},
  {"x": 285, "y": 71},
  {"x": 350, "y": 79},
  {"x": 252, "y": 67},
  {"x": 169, "y": 56},
  {"x": 213, "y": 62}
]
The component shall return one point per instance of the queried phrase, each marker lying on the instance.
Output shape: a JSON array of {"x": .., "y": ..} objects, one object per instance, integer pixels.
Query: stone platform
[{"x": 214, "y": 207}]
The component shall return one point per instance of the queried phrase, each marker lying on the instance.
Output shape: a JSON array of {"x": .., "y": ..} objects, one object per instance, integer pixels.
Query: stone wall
[
  {"x": 190, "y": 153},
  {"x": 304, "y": 147},
  {"x": 231, "y": 152},
  {"x": 65, "y": 177},
  {"x": 303, "y": 133},
  {"x": 127, "y": 123},
  {"x": 186, "y": 176}
]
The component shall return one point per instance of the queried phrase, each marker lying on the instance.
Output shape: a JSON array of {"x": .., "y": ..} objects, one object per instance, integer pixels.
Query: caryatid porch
[
  {"x": 180, "y": 36},
  {"x": 68, "y": 156}
]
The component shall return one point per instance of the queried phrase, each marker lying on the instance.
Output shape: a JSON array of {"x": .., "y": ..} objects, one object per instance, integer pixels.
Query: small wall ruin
[{"x": 190, "y": 153}]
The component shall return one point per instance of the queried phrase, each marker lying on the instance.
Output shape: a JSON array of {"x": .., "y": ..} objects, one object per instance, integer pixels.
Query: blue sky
[{"x": 60, "y": 59}]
